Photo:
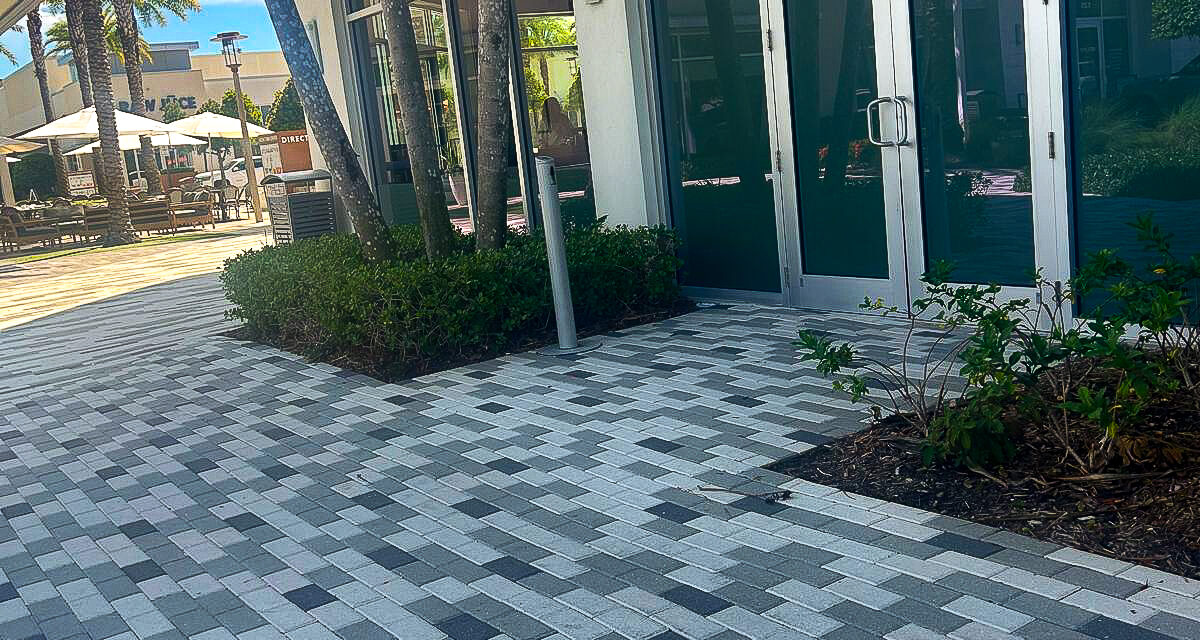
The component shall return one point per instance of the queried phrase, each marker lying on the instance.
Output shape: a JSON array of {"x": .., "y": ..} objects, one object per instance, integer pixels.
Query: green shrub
[
  {"x": 1160, "y": 174},
  {"x": 320, "y": 298},
  {"x": 1182, "y": 128}
]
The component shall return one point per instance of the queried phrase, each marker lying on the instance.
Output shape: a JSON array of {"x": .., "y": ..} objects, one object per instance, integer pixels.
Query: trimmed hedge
[
  {"x": 1159, "y": 174},
  {"x": 321, "y": 299}
]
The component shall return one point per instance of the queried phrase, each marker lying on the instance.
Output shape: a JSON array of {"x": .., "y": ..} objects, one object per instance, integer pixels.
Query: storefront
[{"x": 817, "y": 153}]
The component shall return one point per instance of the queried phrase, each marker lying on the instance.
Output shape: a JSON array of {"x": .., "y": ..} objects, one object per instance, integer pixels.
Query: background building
[{"x": 175, "y": 73}]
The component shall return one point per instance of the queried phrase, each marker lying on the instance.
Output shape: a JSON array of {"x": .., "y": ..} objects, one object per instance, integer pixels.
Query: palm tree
[
  {"x": 127, "y": 31},
  {"x": 348, "y": 178},
  {"x": 120, "y": 229},
  {"x": 419, "y": 137},
  {"x": 37, "y": 50},
  {"x": 77, "y": 45},
  {"x": 491, "y": 160},
  {"x": 58, "y": 41}
]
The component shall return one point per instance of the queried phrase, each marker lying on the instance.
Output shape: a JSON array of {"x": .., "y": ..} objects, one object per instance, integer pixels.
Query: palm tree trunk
[
  {"x": 419, "y": 137},
  {"x": 73, "y": 10},
  {"x": 127, "y": 29},
  {"x": 120, "y": 229},
  {"x": 325, "y": 125},
  {"x": 494, "y": 133},
  {"x": 37, "y": 50}
]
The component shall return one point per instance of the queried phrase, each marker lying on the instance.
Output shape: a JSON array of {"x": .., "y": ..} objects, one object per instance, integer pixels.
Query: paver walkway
[{"x": 205, "y": 488}]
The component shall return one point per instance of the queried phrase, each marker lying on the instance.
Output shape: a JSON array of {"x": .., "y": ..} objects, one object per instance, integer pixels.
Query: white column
[
  {"x": 6, "y": 185},
  {"x": 617, "y": 95}
]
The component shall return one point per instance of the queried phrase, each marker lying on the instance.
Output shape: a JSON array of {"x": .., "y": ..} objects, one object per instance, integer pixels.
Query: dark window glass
[
  {"x": 719, "y": 158},
  {"x": 974, "y": 123},
  {"x": 1135, "y": 100}
]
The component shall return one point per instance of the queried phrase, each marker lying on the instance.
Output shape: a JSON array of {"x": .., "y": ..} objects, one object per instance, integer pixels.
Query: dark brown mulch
[
  {"x": 1150, "y": 517},
  {"x": 372, "y": 364}
]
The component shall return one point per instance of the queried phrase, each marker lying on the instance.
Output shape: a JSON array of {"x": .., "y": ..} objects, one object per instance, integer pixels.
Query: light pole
[{"x": 229, "y": 48}]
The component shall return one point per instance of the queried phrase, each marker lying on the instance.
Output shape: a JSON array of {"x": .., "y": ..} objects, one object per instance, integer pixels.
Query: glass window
[
  {"x": 395, "y": 191},
  {"x": 831, "y": 46},
  {"x": 710, "y": 68},
  {"x": 1135, "y": 97},
  {"x": 468, "y": 45},
  {"x": 974, "y": 123},
  {"x": 554, "y": 97}
]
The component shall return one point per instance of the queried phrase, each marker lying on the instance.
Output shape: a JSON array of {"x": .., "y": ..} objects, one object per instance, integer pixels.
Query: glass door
[
  {"x": 908, "y": 126},
  {"x": 841, "y": 127}
]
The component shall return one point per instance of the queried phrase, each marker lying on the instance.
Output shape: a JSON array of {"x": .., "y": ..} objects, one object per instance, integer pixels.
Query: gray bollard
[{"x": 556, "y": 253}]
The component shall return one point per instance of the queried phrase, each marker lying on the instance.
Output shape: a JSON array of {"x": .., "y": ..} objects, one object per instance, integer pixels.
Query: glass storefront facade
[
  {"x": 548, "y": 111},
  {"x": 818, "y": 153}
]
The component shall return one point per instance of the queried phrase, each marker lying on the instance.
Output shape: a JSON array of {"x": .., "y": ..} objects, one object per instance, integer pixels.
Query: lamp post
[{"x": 229, "y": 48}]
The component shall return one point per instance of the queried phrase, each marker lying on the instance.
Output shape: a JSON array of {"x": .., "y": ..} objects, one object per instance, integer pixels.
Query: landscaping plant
[
  {"x": 1028, "y": 375},
  {"x": 409, "y": 315}
]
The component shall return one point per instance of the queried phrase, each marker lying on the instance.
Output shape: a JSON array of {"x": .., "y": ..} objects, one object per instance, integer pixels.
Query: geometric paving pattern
[{"x": 209, "y": 489}]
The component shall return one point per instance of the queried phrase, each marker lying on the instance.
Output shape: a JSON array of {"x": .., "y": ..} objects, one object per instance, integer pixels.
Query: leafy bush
[
  {"x": 1086, "y": 385},
  {"x": 1161, "y": 174},
  {"x": 320, "y": 298},
  {"x": 1182, "y": 128},
  {"x": 35, "y": 171}
]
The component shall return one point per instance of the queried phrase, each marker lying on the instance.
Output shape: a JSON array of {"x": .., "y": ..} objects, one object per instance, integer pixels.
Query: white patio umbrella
[
  {"x": 214, "y": 125},
  {"x": 83, "y": 124},
  {"x": 129, "y": 143},
  {"x": 11, "y": 159},
  {"x": 7, "y": 146}
]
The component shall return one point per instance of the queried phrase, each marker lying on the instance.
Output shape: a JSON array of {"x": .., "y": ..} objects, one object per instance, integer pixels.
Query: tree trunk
[
  {"x": 127, "y": 29},
  {"x": 325, "y": 125},
  {"x": 120, "y": 230},
  {"x": 37, "y": 50},
  {"x": 419, "y": 137},
  {"x": 494, "y": 133},
  {"x": 79, "y": 50}
]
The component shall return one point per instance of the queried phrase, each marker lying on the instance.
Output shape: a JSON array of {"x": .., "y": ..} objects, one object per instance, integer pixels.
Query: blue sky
[{"x": 248, "y": 16}]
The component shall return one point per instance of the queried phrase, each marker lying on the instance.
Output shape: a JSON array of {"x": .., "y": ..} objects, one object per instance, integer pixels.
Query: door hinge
[
  {"x": 770, "y": 40},
  {"x": 778, "y": 161},
  {"x": 1053, "y": 145}
]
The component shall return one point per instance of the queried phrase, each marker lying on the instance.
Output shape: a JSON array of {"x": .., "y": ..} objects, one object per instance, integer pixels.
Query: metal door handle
[
  {"x": 872, "y": 134},
  {"x": 902, "y": 107}
]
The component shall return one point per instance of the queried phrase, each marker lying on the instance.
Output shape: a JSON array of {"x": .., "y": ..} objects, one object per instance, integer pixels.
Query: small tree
[
  {"x": 287, "y": 114},
  {"x": 172, "y": 112},
  {"x": 348, "y": 178},
  {"x": 229, "y": 107},
  {"x": 419, "y": 137},
  {"x": 494, "y": 131}
]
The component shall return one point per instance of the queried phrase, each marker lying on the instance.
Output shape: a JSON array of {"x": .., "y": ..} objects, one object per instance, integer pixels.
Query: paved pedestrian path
[{"x": 200, "y": 487}]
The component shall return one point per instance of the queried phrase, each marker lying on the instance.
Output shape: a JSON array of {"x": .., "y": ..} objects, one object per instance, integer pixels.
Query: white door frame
[
  {"x": 812, "y": 290},
  {"x": 902, "y": 167}
]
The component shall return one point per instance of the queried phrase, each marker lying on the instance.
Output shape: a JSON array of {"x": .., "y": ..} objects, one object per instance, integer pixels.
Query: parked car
[{"x": 235, "y": 173}]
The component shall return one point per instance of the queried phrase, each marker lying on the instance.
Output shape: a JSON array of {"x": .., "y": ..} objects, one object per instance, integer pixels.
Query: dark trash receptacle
[{"x": 299, "y": 204}]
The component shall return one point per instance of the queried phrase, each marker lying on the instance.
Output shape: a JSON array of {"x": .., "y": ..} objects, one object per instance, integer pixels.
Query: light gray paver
[{"x": 199, "y": 478}]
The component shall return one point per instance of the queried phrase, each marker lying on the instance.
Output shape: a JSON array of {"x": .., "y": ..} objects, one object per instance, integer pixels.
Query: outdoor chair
[
  {"x": 66, "y": 218},
  {"x": 194, "y": 210},
  {"x": 175, "y": 196},
  {"x": 16, "y": 231},
  {"x": 95, "y": 222},
  {"x": 244, "y": 197},
  {"x": 151, "y": 215},
  {"x": 229, "y": 197}
]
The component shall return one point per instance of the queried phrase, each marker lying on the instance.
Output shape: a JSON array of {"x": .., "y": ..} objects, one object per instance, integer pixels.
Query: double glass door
[{"x": 905, "y": 140}]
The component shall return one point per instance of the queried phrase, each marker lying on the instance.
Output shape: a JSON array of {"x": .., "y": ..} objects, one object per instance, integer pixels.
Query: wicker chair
[
  {"x": 15, "y": 231},
  {"x": 229, "y": 196},
  {"x": 195, "y": 210}
]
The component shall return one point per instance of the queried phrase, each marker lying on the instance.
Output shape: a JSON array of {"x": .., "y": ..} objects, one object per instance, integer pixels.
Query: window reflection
[
  {"x": 715, "y": 120},
  {"x": 396, "y": 195},
  {"x": 554, "y": 96},
  {"x": 1135, "y": 95},
  {"x": 974, "y": 122}
]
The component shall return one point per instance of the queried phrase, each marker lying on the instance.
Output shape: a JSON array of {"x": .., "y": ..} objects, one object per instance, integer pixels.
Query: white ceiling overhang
[{"x": 11, "y": 11}]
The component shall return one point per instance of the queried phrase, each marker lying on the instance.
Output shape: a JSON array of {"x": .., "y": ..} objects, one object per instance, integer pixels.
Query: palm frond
[
  {"x": 154, "y": 12},
  {"x": 6, "y": 53}
]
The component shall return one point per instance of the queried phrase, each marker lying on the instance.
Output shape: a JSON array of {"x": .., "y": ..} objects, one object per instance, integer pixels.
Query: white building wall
[
  {"x": 333, "y": 51},
  {"x": 614, "y": 65}
]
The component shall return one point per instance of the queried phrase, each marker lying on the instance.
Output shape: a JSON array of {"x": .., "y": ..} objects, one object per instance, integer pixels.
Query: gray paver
[{"x": 209, "y": 488}]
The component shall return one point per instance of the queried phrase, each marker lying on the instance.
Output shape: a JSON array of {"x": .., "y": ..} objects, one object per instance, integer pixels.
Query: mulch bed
[
  {"x": 1143, "y": 515},
  {"x": 372, "y": 365}
]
